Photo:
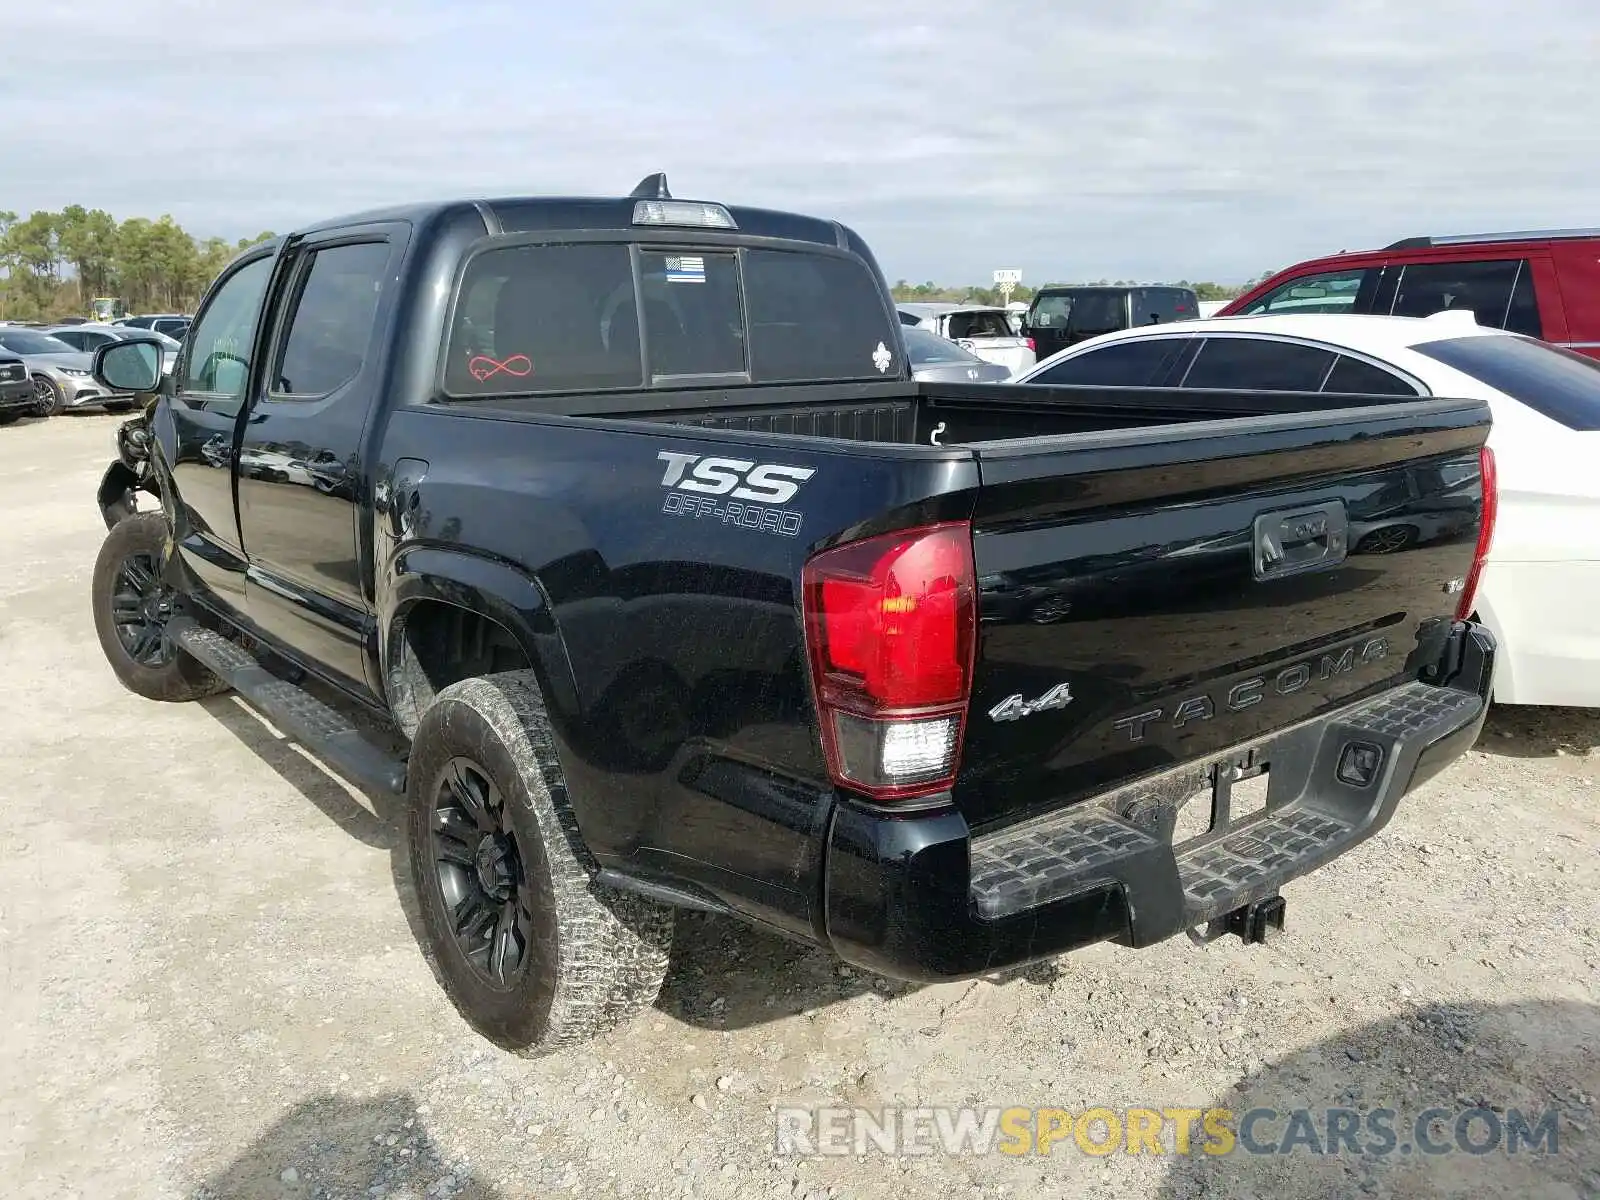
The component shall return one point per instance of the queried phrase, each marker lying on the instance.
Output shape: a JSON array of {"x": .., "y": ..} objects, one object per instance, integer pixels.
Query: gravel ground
[{"x": 213, "y": 988}]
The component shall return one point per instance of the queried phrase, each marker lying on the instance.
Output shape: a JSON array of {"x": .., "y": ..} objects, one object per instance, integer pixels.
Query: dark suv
[
  {"x": 1543, "y": 283},
  {"x": 1063, "y": 316},
  {"x": 17, "y": 397}
]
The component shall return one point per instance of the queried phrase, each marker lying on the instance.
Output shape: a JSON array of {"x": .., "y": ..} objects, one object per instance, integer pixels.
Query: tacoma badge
[{"x": 1014, "y": 708}]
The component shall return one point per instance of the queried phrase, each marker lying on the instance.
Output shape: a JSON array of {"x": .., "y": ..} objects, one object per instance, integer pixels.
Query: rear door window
[
  {"x": 1258, "y": 364},
  {"x": 1551, "y": 380},
  {"x": 1354, "y": 375},
  {"x": 1162, "y": 306},
  {"x": 1328, "y": 292},
  {"x": 1490, "y": 290},
  {"x": 331, "y": 319},
  {"x": 1141, "y": 362}
]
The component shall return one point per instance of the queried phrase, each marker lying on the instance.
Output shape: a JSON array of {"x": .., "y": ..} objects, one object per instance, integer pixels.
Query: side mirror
[{"x": 130, "y": 366}]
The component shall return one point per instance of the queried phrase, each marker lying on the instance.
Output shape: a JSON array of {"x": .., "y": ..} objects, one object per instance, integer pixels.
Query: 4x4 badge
[{"x": 1014, "y": 708}]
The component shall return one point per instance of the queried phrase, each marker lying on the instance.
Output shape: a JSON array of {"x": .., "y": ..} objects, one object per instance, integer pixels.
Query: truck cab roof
[{"x": 533, "y": 214}]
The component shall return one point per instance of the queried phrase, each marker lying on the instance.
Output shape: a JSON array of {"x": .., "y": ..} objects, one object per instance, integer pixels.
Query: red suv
[{"x": 1545, "y": 283}]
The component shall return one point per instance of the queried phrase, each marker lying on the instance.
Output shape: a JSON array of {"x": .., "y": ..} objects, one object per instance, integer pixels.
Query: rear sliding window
[
  {"x": 535, "y": 319},
  {"x": 1552, "y": 381}
]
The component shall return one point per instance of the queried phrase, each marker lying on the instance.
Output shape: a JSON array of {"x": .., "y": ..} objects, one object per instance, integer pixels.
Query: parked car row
[
  {"x": 1512, "y": 318},
  {"x": 1058, "y": 317},
  {"x": 173, "y": 325},
  {"x": 59, "y": 374},
  {"x": 1543, "y": 283},
  {"x": 1541, "y": 585}
]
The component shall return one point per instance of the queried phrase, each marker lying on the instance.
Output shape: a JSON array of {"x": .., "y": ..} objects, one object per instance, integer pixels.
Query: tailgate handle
[{"x": 1301, "y": 539}]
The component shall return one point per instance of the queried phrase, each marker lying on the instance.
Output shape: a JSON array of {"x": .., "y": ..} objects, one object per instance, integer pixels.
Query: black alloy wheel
[
  {"x": 480, "y": 874},
  {"x": 141, "y": 607}
]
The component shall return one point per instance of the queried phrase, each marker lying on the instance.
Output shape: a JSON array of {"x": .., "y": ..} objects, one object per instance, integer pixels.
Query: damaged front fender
[{"x": 119, "y": 488}]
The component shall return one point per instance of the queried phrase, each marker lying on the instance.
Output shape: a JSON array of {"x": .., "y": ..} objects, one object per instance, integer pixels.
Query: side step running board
[{"x": 328, "y": 734}]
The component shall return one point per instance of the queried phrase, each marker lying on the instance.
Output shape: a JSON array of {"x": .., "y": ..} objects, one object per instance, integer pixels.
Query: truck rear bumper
[{"x": 918, "y": 897}]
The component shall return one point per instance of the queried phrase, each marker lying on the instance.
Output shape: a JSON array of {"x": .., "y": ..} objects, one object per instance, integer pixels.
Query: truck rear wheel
[
  {"x": 132, "y": 609},
  {"x": 534, "y": 953}
]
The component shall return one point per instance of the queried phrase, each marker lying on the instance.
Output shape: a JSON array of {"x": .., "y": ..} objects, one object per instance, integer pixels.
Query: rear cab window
[
  {"x": 1551, "y": 380},
  {"x": 597, "y": 316}
]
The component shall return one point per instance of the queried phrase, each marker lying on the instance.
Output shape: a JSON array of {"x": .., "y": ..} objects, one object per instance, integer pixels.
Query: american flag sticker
[{"x": 689, "y": 268}]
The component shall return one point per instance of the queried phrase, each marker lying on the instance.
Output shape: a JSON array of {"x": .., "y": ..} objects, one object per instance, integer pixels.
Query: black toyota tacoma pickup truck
[{"x": 676, "y": 591}]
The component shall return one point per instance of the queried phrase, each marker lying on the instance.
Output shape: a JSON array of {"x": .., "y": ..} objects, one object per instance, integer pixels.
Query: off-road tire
[
  {"x": 180, "y": 677},
  {"x": 597, "y": 956}
]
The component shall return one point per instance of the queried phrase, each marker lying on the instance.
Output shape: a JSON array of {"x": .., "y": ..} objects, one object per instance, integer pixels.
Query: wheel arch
[{"x": 450, "y": 615}]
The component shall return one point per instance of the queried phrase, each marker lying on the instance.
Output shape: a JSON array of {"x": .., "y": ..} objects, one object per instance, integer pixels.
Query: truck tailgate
[{"x": 1174, "y": 594}]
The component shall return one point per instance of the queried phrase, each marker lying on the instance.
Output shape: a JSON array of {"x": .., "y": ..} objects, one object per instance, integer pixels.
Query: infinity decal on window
[{"x": 481, "y": 366}]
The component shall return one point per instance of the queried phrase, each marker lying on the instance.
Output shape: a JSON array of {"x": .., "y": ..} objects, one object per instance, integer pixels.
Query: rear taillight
[
  {"x": 1491, "y": 510},
  {"x": 891, "y": 622},
  {"x": 1031, "y": 345}
]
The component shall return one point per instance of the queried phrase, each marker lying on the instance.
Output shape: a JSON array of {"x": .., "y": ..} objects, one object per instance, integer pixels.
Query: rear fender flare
[{"x": 488, "y": 587}]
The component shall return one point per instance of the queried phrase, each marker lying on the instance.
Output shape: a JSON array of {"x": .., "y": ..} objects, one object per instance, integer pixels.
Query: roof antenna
[{"x": 652, "y": 187}]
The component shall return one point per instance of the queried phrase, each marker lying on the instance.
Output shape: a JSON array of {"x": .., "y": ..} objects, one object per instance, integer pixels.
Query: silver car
[
  {"x": 940, "y": 360},
  {"x": 89, "y": 336},
  {"x": 61, "y": 375}
]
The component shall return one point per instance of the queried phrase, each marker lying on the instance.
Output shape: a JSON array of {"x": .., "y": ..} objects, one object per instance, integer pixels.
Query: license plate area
[{"x": 1235, "y": 796}]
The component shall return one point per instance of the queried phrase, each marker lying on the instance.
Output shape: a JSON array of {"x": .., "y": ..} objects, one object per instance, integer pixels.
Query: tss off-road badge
[
  {"x": 754, "y": 491},
  {"x": 1014, "y": 708}
]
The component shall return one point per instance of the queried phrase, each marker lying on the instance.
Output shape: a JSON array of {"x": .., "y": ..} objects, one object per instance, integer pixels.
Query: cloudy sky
[{"x": 1157, "y": 140}]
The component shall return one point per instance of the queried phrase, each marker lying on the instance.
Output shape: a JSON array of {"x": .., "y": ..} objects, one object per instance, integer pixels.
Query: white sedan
[{"x": 1540, "y": 591}]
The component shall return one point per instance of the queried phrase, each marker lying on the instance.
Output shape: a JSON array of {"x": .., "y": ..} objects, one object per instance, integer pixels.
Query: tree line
[
  {"x": 53, "y": 263},
  {"x": 942, "y": 294}
]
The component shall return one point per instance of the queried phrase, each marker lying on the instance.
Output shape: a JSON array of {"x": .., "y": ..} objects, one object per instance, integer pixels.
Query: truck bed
[{"x": 908, "y": 414}]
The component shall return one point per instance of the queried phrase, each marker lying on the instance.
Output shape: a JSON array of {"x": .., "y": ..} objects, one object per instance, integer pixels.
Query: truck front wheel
[
  {"x": 132, "y": 609},
  {"x": 534, "y": 953}
]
